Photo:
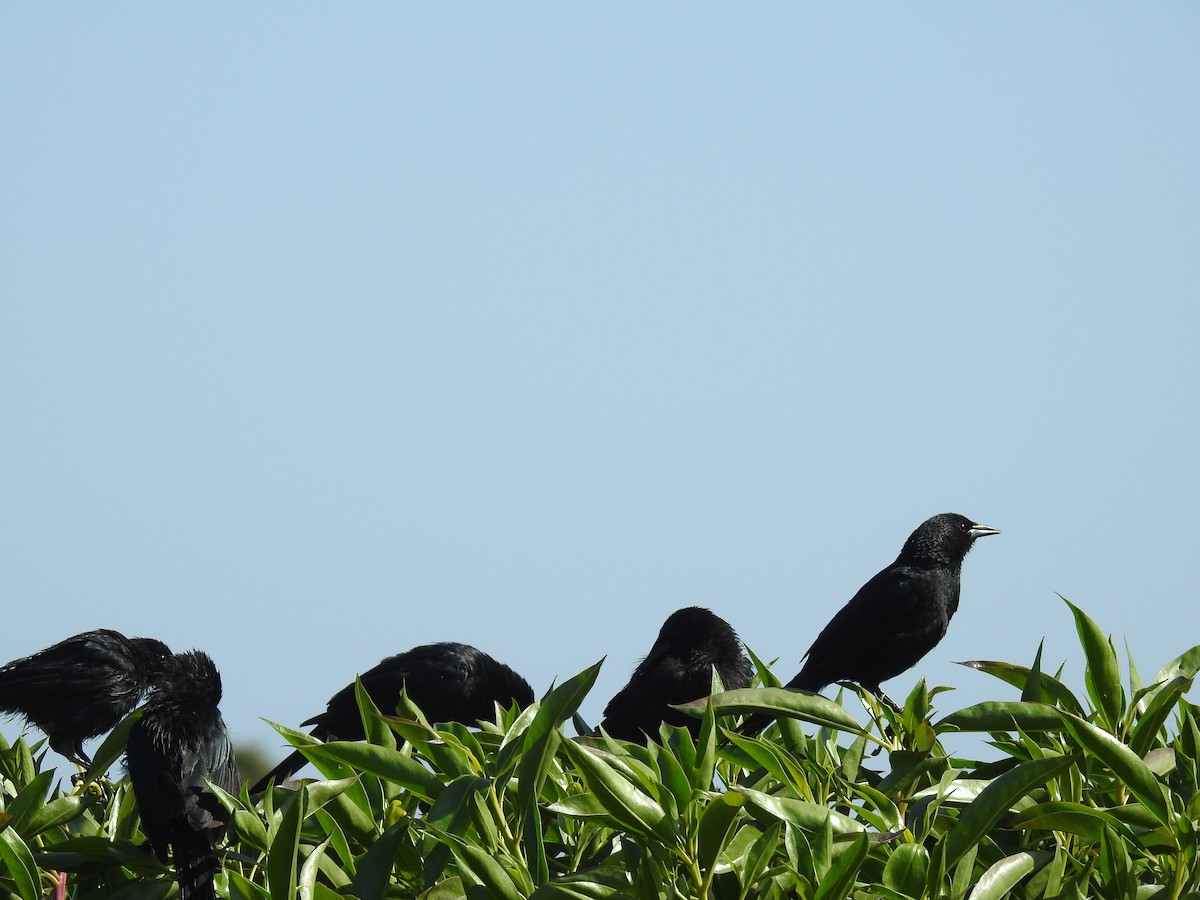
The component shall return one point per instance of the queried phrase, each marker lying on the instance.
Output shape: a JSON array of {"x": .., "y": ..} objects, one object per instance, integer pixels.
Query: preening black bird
[
  {"x": 896, "y": 617},
  {"x": 82, "y": 686},
  {"x": 179, "y": 743},
  {"x": 449, "y": 682},
  {"x": 678, "y": 669}
]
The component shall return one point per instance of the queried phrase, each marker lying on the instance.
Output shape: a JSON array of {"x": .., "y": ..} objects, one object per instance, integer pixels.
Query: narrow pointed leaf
[
  {"x": 840, "y": 877},
  {"x": 627, "y": 804},
  {"x": 542, "y": 738},
  {"x": 1019, "y": 676},
  {"x": 486, "y": 870},
  {"x": 759, "y": 856},
  {"x": 716, "y": 824},
  {"x": 19, "y": 862},
  {"x": 982, "y": 814},
  {"x": 112, "y": 747},
  {"x": 1003, "y": 875},
  {"x": 283, "y": 858},
  {"x": 1123, "y": 763},
  {"x": 1004, "y": 716},
  {"x": 1187, "y": 664},
  {"x": 308, "y": 871},
  {"x": 803, "y": 814},
  {"x": 383, "y": 762},
  {"x": 374, "y": 727},
  {"x": 56, "y": 812},
  {"x": 780, "y": 702},
  {"x": 1076, "y": 818},
  {"x": 374, "y": 870},
  {"x": 1103, "y": 672},
  {"x": 1158, "y": 710}
]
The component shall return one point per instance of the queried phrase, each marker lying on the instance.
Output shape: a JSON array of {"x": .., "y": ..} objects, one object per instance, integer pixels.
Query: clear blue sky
[{"x": 330, "y": 331}]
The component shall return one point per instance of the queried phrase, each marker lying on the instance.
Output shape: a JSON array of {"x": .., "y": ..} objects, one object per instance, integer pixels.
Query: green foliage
[{"x": 1092, "y": 796}]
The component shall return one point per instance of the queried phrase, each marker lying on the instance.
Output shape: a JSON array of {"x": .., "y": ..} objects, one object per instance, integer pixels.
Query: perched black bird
[
  {"x": 81, "y": 687},
  {"x": 896, "y": 617},
  {"x": 178, "y": 744},
  {"x": 678, "y": 669},
  {"x": 449, "y": 682}
]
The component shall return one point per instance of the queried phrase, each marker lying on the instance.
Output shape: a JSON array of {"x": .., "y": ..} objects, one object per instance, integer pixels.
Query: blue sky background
[{"x": 332, "y": 331}]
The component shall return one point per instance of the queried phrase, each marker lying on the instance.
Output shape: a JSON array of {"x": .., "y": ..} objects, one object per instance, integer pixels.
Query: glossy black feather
[
  {"x": 450, "y": 682},
  {"x": 178, "y": 744},
  {"x": 677, "y": 670},
  {"x": 895, "y": 618},
  {"x": 82, "y": 686}
]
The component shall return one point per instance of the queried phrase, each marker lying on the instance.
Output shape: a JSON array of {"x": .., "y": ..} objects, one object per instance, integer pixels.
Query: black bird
[
  {"x": 82, "y": 686},
  {"x": 896, "y": 617},
  {"x": 179, "y": 743},
  {"x": 678, "y": 669},
  {"x": 449, "y": 682}
]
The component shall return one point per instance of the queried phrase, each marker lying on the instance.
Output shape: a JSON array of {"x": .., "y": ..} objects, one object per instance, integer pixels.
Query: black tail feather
[{"x": 195, "y": 862}]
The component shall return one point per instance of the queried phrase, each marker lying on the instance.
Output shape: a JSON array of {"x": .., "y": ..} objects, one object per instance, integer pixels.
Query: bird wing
[
  {"x": 71, "y": 667},
  {"x": 212, "y": 760},
  {"x": 889, "y": 604}
]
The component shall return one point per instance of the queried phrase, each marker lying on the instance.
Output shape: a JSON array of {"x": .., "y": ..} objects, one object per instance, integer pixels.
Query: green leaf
[
  {"x": 450, "y": 813},
  {"x": 241, "y": 887},
  {"x": 1103, "y": 675},
  {"x": 56, "y": 812},
  {"x": 841, "y": 876},
  {"x": 383, "y": 762},
  {"x": 624, "y": 802},
  {"x": 673, "y": 777},
  {"x": 1003, "y": 716},
  {"x": 581, "y": 805},
  {"x": 374, "y": 870},
  {"x": 977, "y": 819},
  {"x": 766, "y": 677},
  {"x": 881, "y": 811},
  {"x": 308, "y": 872},
  {"x": 539, "y": 744},
  {"x": 906, "y": 870},
  {"x": 964, "y": 873},
  {"x": 1123, "y": 763},
  {"x": 1162, "y": 700},
  {"x": 283, "y": 857},
  {"x": 1002, "y": 876},
  {"x": 19, "y": 862},
  {"x": 803, "y": 814},
  {"x": 485, "y": 869},
  {"x": 1032, "y": 691},
  {"x": 30, "y": 799},
  {"x": 1186, "y": 665},
  {"x": 112, "y": 747},
  {"x": 1075, "y": 818},
  {"x": 759, "y": 856},
  {"x": 450, "y": 889},
  {"x": 374, "y": 727},
  {"x": 705, "y": 758},
  {"x": 781, "y": 702},
  {"x": 716, "y": 824},
  {"x": 1020, "y": 677},
  {"x": 1135, "y": 677}
]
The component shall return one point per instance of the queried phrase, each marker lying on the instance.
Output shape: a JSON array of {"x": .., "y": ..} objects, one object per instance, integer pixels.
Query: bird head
[
  {"x": 154, "y": 655},
  {"x": 944, "y": 538}
]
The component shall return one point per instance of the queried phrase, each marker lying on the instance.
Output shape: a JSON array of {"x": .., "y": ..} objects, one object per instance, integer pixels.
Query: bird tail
[
  {"x": 294, "y": 762},
  {"x": 195, "y": 862}
]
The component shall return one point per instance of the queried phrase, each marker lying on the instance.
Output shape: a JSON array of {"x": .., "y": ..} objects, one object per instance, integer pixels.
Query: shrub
[{"x": 1091, "y": 796}]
